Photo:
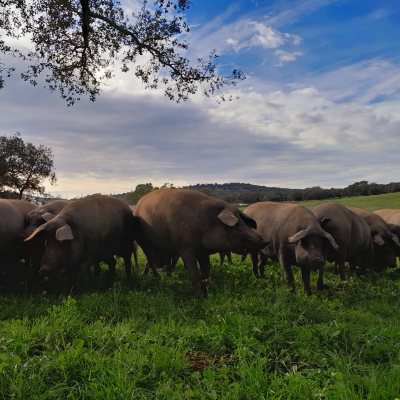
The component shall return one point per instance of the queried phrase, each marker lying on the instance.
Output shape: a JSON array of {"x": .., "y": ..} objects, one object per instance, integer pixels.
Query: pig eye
[{"x": 45, "y": 242}]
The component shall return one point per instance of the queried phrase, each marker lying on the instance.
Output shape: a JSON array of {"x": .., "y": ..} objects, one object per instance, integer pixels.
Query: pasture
[
  {"x": 372, "y": 203},
  {"x": 250, "y": 339}
]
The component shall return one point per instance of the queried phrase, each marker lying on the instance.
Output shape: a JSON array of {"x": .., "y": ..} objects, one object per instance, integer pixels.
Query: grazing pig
[
  {"x": 193, "y": 225},
  {"x": 386, "y": 243},
  {"x": 13, "y": 214},
  {"x": 296, "y": 238},
  {"x": 351, "y": 233},
  {"x": 36, "y": 218},
  {"x": 41, "y": 215},
  {"x": 392, "y": 218},
  {"x": 86, "y": 232}
]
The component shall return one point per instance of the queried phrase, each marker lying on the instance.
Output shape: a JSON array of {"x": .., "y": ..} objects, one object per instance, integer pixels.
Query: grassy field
[
  {"x": 250, "y": 339},
  {"x": 372, "y": 203}
]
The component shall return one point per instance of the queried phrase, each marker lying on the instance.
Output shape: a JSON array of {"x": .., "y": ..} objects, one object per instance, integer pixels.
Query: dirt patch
[{"x": 200, "y": 362}]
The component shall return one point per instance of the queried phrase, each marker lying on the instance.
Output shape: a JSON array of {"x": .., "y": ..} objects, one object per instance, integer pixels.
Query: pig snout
[{"x": 317, "y": 262}]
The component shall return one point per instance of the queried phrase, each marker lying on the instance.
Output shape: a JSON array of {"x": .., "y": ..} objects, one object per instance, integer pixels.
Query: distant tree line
[
  {"x": 142, "y": 189},
  {"x": 247, "y": 193}
]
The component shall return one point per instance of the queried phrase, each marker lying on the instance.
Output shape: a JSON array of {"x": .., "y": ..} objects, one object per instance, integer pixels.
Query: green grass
[
  {"x": 262, "y": 342},
  {"x": 372, "y": 203}
]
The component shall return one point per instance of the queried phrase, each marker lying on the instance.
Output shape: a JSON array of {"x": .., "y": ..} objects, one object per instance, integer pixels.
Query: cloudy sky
[{"x": 320, "y": 105}]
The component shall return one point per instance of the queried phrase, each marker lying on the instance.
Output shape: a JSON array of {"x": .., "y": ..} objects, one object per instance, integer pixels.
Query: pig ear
[
  {"x": 331, "y": 240},
  {"x": 395, "y": 240},
  {"x": 36, "y": 232},
  {"x": 325, "y": 220},
  {"x": 48, "y": 216},
  {"x": 249, "y": 221},
  {"x": 377, "y": 239},
  {"x": 298, "y": 236},
  {"x": 64, "y": 233},
  {"x": 228, "y": 218}
]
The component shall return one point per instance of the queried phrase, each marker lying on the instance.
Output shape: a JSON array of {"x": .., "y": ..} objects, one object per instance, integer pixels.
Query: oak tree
[
  {"x": 78, "y": 43},
  {"x": 24, "y": 167}
]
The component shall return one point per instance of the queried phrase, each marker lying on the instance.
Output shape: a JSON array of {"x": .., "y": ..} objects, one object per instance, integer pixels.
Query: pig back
[
  {"x": 276, "y": 222},
  {"x": 13, "y": 215},
  {"x": 390, "y": 216},
  {"x": 101, "y": 222},
  {"x": 168, "y": 217}
]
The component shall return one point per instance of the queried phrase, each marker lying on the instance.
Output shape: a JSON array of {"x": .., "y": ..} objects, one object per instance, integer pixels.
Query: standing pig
[
  {"x": 193, "y": 225},
  {"x": 386, "y": 243},
  {"x": 13, "y": 214},
  {"x": 296, "y": 238},
  {"x": 351, "y": 233},
  {"x": 86, "y": 232}
]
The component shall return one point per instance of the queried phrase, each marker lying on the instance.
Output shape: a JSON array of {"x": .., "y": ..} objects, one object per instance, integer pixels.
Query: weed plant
[{"x": 145, "y": 339}]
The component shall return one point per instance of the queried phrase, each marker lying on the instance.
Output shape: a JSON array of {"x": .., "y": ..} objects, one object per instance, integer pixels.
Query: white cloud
[
  {"x": 296, "y": 136},
  {"x": 284, "y": 56},
  {"x": 254, "y": 34}
]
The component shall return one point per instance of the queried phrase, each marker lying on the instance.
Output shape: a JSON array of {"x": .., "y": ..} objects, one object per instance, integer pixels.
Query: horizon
[{"x": 320, "y": 105}]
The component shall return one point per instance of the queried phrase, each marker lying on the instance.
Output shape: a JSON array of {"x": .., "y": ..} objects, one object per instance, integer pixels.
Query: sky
[{"x": 320, "y": 105}]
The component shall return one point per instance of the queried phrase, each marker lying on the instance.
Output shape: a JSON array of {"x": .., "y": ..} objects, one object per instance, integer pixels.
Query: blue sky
[{"x": 320, "y": 105}]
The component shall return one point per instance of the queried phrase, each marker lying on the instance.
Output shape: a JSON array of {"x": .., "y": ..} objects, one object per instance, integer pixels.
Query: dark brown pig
[
  {"x": 86, "y": 232},
  {"x": 296, "y": 238},
  {"x": 13, "y": 214},
  {"x": 386, "y": 243},
  {"x": 36, "y": 218},
  {"x": 351, "y": 233},
  {"x": 193, "y": 225},
  {"x": 41, "y": 215}
]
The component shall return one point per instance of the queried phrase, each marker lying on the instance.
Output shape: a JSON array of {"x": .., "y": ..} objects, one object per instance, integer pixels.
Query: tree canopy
[
  {"x": 77, "y": 43},
  {"x": 141, "y": 190},
  {"x": 24, "y": 167}
]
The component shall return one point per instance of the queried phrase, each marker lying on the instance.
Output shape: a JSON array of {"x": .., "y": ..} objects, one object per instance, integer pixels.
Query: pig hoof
[{"x": 323, "y": 287}]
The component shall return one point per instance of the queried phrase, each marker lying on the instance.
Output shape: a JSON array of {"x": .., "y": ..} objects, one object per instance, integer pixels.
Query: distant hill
[{"x": 240, "y": 192}]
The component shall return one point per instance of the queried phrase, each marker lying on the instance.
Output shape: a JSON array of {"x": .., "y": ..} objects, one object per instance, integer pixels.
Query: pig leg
[
  {"x": 221, "y": 257},
  {"x": 205, "y": 267},
  {"x": 148, "y": 251},
  {"x": 111, "y": 262},
  {"x": 194, "y": 274},
  {"x": 97, "y": 269},
  {"x": 262, "y": 263},
  {"x": 244, "y": 256},
  {"x": 305, "y": 274},
  {"x": 169, "y": 265},
  {"x": 287, "y": 272},
  {"x": 341, "y": 270},
  {"x": 254, "y": 262},
  {"x": 320, "y": 281},
  {"x": 174, "y": 260},
  {"x": 128, "y": 265},
  {"x": 229, "y": 255},
  {"x": 76, "y": 274},
  {"x": 135, "y": 254}
]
